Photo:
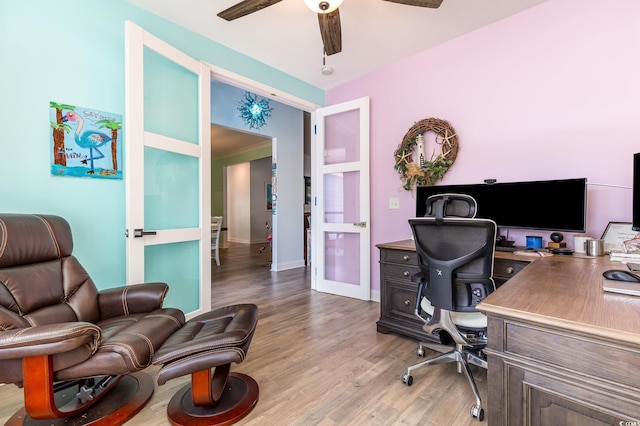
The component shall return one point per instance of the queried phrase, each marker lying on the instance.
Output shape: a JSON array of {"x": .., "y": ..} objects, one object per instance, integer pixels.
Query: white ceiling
[
  {"x": 375, "y": 33},
  {"x": 286, "y": 36}
]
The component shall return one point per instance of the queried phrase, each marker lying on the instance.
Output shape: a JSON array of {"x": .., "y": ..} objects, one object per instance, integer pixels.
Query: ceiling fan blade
[
  {"x": 244, "y": 8},
  {"x": 331, "y": 31},
  {"x": 421, "y": 3}
]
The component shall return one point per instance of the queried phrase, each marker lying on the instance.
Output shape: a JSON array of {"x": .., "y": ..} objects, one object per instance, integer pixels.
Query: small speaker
[{"x": 556, "y": 237}]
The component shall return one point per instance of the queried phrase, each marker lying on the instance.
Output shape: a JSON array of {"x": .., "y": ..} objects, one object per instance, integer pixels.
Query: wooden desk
[
  {"x": 561, "y": 350},
  {"x": 398, "y": 294}
]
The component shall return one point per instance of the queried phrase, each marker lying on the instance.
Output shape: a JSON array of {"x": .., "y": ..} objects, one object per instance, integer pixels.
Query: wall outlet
[{"x": 394, "y": 203}]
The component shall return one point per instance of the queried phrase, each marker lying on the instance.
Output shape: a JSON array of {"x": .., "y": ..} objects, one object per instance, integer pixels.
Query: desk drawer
[
  {"x": 399, "y": 256},
  {"x": 399, "y": 272},
  {"x": 574, "y": 353},
  {"x": 402, "y": 300},
  {"x": 506, "y": 269}
]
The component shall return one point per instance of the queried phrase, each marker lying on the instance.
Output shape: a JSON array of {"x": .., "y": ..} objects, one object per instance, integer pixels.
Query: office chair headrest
[{"x": 451, "y": 205}]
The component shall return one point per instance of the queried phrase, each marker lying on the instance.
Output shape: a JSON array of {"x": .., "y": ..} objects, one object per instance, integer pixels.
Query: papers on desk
[
  {"x": 533, "y": 253},
  {"x": 624, "y": 257},
  {"x": 624, "y": 287}
]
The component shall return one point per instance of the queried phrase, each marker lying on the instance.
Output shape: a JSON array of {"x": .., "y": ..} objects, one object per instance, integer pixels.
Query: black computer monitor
[{"x": 554, "y": 205}]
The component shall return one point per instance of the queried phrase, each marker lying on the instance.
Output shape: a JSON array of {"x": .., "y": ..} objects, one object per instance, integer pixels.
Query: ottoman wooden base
[
  {"x": 239, "y": 398},
  {"x": 205, "y": 347}
]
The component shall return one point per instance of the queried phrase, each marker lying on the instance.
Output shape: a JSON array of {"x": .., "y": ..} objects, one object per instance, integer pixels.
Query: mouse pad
[{"x": 624, "y": 287}]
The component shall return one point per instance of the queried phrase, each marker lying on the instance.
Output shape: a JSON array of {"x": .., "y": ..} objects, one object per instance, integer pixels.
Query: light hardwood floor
[{"x": 317, "y": 358}]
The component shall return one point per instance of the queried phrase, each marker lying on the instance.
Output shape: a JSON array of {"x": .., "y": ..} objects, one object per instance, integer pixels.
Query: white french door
[
  {"x": 340, "y": 208},
  {"x": 167, "y": 170}
]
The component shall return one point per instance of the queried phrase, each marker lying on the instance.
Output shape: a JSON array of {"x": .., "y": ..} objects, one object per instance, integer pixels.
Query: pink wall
[{"x": 553, "y": 92}]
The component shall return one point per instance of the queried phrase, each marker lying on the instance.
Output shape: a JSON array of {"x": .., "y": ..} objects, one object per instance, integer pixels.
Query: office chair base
[
  {"x": 120, "y": 404},
  {"x": 477, "y": 412},
  {"x": 462, "y": 358}
]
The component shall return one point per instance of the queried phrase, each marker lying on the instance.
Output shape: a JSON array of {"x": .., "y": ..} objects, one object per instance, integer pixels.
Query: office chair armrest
[
  {"x": 419, "y": 278},
  {"x": 131, "y": 299},
  {"x": 48, "y": 339}
]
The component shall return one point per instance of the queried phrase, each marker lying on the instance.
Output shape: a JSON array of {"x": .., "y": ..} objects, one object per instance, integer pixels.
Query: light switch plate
[{"x": 394, "y": 203}]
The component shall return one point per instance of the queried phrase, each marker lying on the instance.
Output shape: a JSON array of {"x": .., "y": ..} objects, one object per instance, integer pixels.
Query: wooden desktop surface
[{"x": 566, "y": 292}]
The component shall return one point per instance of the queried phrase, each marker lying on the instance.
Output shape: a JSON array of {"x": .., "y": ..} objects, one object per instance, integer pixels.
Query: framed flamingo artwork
[{"x": 85, "y": 142}]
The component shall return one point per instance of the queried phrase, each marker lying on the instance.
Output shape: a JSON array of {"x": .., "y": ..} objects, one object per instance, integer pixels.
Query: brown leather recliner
[{"x": 68, "y": 344}]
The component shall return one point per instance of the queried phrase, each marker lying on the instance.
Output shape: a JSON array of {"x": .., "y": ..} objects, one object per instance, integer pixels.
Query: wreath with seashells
[{"x": 425, "y": 172}]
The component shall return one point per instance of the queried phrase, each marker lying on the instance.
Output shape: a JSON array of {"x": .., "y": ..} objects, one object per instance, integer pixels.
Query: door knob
[{"x": 138, "y": 233}]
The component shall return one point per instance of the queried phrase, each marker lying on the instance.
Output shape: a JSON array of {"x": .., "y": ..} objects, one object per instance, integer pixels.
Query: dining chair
[{"x": 216, "y": 227}]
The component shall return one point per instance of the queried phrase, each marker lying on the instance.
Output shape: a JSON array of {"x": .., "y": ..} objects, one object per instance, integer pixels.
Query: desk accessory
[
  {"x": 534, "y": 242},
  {"x": 623, "y": 287},
  {"x": 579, "y": 242},
  {"x": 562, "y": 250},
  {"x": 533, "y": 253},
  {"x": 633, "y": 267},
  {"x": 616, "y": 234},
  {"x": 595, "y": 247},
  {"x": 620, "y": 256},
  {"x": 621, "y": 275},
  {"x": 556, "y": 241}
]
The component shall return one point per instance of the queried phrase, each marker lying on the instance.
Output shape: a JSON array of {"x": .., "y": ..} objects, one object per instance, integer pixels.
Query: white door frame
[
  {"x": 245, "y": 83},
  {"x": 266, "y": 91},
  {"x": 261, "y": 89}
]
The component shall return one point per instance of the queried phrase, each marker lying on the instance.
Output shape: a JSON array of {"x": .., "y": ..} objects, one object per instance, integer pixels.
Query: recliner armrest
[
  {"x": 131, "y": 299},
  {"x": 48, "y": 339}
]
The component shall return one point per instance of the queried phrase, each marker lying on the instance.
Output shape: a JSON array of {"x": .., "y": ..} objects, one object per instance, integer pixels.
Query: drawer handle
[
  {"x": 405, "y": 257},
  {"x": 510, "y": 270},
  {"x": 407, "y": 302},
  {"x": 406, "y": 273}
]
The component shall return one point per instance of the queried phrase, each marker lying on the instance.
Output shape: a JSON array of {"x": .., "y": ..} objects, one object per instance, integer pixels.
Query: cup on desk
[
  {"x": 595, "y": 247},
  {"x": 580, "y": 243}
]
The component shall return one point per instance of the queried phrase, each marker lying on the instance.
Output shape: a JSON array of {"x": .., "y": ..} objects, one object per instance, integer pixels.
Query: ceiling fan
[{"x": 328, "y": 16}]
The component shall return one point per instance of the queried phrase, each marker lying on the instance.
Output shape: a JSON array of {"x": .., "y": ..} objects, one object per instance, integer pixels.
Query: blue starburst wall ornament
[{"x": 254, "y": 112}]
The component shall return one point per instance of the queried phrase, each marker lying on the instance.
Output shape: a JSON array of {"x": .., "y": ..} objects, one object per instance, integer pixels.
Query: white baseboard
[{"x": 288, "y": 265}]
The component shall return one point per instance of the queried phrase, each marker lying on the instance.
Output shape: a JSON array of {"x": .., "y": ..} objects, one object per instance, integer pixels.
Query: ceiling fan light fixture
[
  {"x": 326, "y": 70},
  {"x": 323, "y": 6}
]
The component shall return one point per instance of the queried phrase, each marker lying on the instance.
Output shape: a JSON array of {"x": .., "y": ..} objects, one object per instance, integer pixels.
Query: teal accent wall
[{"x": 73, "y": 52}]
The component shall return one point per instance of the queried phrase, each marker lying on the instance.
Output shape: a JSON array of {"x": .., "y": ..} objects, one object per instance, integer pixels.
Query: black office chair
[{"x": 455, "y": 254}]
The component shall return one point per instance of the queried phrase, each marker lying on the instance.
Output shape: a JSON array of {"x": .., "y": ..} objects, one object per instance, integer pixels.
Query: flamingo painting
[{"x": 90, "y": 139}]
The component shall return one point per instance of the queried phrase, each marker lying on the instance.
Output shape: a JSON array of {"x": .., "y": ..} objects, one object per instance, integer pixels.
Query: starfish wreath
[{"x": 426, "y": 172}]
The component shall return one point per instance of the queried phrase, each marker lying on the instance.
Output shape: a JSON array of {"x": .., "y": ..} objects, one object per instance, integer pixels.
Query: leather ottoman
[{"x": 211, "y": 341}]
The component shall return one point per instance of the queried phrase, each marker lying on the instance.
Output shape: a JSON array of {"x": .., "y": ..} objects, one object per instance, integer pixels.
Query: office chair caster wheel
[
  {"x": 420, "y": 352},
  {"x": 407, "y": 379},
  {"x": 477, "y": 412}
]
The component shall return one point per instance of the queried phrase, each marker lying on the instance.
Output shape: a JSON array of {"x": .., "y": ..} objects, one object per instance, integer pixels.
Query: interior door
[
  {"x": 167, "y": 170},
  {"x": 340, "y": 207}
]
